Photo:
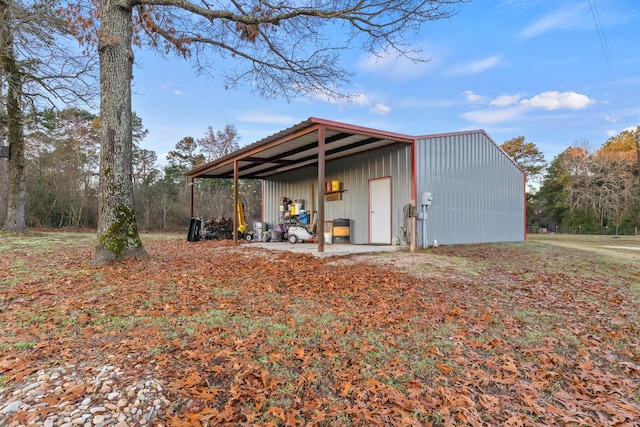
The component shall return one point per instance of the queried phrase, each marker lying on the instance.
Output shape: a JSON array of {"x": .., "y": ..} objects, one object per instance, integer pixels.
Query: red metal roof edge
[
  {"x": 264, "y": 141},
  {"x": 462, "y": 132},
  {"x": 361, "y": 129},
  {"x": 311, "y": 121}
]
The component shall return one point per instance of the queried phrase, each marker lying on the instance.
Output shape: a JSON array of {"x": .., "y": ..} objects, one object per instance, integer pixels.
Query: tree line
[
  {"x": 62, "y": 151},
  {"x": 583, "y": 190}
]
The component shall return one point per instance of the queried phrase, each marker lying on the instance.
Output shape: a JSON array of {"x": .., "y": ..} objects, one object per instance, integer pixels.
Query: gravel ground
[{"x": 83, "y": 396}]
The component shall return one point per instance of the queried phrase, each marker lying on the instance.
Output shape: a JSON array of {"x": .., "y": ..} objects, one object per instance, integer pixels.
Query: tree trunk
[
  {"x": 117, "y": 229},
  {"x": 16, "y": 197},
  {"x": 4, "y": 163},
  {"x": 165, "y": 203},
  {"x": 4, "y": 184}
]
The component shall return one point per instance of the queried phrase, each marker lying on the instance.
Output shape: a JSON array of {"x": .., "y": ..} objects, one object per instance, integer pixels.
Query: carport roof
[{"x": 297, "y": 147}]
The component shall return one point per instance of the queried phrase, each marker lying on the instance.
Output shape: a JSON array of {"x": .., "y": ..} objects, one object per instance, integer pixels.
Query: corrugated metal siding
[
  {"x": 478, "y": 193},
  {"x": 354, "y": 172}
]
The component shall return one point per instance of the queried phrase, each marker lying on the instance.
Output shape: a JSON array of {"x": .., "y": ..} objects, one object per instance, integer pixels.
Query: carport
[{"x": 313, "y": 142}]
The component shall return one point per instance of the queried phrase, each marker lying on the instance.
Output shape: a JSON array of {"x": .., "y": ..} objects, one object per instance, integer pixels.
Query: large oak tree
[{"x": 281, "y": 48}]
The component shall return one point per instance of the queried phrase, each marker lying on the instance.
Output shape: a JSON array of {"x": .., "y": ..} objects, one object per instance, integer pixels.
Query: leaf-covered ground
[{"x": 501, "y": 334}]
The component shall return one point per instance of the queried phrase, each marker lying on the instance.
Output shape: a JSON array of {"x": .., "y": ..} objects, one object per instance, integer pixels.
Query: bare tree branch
[
  {"x": 285, "y": 48},
  {"x": 52, "y": 67}
]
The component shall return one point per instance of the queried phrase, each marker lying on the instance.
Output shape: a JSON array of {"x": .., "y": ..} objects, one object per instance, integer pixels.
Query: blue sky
[{"x": 556, "y": 72}]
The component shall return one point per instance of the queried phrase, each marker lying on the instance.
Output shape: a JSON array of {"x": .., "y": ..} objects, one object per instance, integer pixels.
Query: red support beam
[
  {"x": 235, "y": 202},
  {"x": 321, "y": 179}
]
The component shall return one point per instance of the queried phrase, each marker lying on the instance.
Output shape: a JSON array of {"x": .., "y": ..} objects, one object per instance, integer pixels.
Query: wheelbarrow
[{"x": 299, "y": 233}]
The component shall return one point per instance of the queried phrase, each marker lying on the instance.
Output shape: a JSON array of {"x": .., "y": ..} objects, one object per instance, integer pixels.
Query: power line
[{"x": 600, "y": 31}]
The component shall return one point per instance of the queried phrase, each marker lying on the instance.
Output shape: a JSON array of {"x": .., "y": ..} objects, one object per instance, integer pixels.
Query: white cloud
[
  {"x": 169, "y": 84},
  {"x": 505, "y": 100},
  {"x": 166, "y": 84},
  {"x": 381, "y": 109},
  {"x": 473, "y": 97},
  {"x": 356, "y": 97},
  {"x": 544, "y": 25},
  {"x": 506, "y": 108},
  {"x": 519, "y": 4},
  {"x": 554, "y": 100},
  {"x": 493, "y": 115},
  {"x": 476, "y": 67},
  {"x": 398, "y": 67},
  {"x": 578, "y": 16},
  {"x": 359, "y": 99}
]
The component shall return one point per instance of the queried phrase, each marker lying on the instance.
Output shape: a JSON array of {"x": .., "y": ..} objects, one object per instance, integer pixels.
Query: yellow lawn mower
[{"x": 242, "y": 224}]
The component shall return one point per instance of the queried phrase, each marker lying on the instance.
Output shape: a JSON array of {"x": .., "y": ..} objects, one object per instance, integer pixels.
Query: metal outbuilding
[{"x": 451, "y": 188}]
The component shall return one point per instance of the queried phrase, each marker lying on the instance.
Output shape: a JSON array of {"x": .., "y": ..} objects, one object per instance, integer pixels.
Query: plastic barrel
[
  {"x": 258, "y": 229},
  {"x": 341, "y": 230},
  {"x": 304, "y": 217}
]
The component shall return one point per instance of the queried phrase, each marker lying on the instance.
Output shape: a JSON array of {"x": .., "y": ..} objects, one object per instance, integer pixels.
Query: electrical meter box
[{"x": 425, "y": 198}]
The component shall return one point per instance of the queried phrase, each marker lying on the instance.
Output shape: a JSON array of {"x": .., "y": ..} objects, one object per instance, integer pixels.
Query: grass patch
[
  {"x": 119, "y": 324},
  {"x": 223, "y": 292},
  {"x": 29, "y": 318},
  {"x": 24, "y": 345},
  {"x": 36, "y": 242}
]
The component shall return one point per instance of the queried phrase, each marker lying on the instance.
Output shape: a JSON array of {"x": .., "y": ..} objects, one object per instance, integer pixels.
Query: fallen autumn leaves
[{"x": 512, "y": 334}]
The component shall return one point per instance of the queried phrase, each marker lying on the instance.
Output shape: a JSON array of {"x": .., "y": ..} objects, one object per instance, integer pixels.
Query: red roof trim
[{"x": 361, "y": 129}]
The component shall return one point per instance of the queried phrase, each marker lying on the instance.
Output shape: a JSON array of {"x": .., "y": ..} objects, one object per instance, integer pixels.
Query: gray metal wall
[
  {"x": 478, "y": 192},
  {"x": 354, "y": 172}
]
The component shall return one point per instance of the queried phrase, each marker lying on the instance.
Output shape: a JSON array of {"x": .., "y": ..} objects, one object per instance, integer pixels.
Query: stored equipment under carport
[
  {"x": 299, "y": 233},
  {"x": 242, "y": 224}
]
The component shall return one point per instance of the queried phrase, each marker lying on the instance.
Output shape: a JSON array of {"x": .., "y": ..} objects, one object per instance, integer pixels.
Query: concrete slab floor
[{"x": 329, "y": 249}]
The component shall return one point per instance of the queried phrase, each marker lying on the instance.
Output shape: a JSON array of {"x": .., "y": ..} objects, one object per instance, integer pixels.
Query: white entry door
[{"x": 380, "y": 210}]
